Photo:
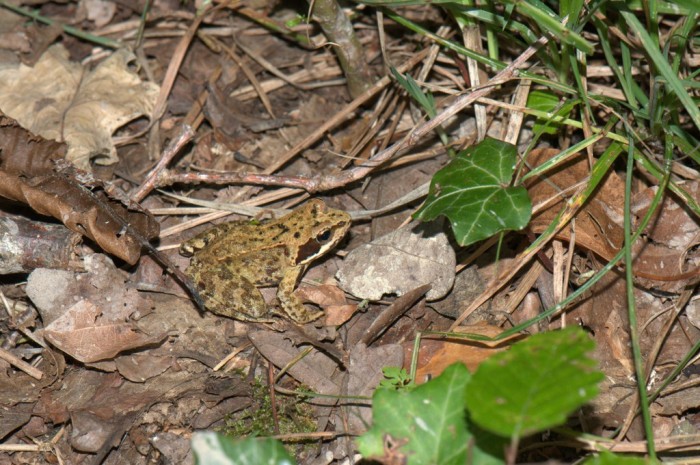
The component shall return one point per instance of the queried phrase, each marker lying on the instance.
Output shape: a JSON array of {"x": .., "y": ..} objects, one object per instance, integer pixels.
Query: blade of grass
[
  {"x": 655, "y": 202},
  {"x": 495, "y": 64},
  {"x": 651, "y": 11},
  {"x": 102, "y": 41},
  {"x": 562, "y": 156},
  {"x": 492, "y": 19},
  {"x": 679, "y": 7},
  {"x": 536, "y": 11},
  {"x": 663, "y": 67},
  {"x": 631, "y": 304},
  {"x": 624, "y": 79},
  {"x": 681, "y": 38},
  {"x": 552, "y": 24}
]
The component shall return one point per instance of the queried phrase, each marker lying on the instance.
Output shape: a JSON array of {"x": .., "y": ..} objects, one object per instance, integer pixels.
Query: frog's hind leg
[
  {"x": 291, "y": 304},
  {"x": 235, "y": 298}
]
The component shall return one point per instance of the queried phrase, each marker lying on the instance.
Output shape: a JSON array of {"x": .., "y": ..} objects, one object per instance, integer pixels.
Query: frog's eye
[{"x": 324, "y": 236}]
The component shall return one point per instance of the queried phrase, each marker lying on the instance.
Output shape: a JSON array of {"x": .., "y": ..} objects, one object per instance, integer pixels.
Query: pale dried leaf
[
  {"x": 399, "y": 262},
  {"x": 61, "y": 100},
  {"x": 54, "y": 291}
]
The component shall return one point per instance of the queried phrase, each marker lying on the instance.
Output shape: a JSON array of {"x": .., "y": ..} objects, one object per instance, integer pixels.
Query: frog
[{"x": 232, "y": 260}]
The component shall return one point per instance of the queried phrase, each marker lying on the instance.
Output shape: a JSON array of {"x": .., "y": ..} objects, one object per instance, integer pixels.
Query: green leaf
[
  {"x": 549, "y": 103},
  {"x": 216, "y": 449},
  {"x": 608, "y": 458},
  {"x": 535, "y": 385},
  {"x": 425, "y": 100},
  {"x": 396, "y": 378},
  {"x": 424, "y": 425},
  {"x": 473, "y": 192}
]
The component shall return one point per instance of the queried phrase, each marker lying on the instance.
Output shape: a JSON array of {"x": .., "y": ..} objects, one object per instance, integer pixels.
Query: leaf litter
[{"x": 131, "y": 367}]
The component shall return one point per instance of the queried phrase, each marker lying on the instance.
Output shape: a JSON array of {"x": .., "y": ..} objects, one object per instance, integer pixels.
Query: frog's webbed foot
[
  {"x": 291, "y": 304},
  {"x": 238, "y": 298}
]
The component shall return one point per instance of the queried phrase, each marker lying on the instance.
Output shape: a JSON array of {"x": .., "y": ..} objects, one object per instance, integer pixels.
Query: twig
[
  {"x": 339, "y": 31},
  {"x": 247, "y": 210},
  {"x": 21, "y": 364},
  {"x": 176, "y": 61},
  {"x": 186, "y": 135},
  {"x": 312, "y": 185}
]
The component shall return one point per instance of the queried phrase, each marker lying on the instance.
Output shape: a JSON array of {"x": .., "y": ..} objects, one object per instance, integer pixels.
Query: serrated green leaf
[
  {"x": 216, "y": 449},
  {"x": 428, "y": 425},
  {"x": 608, "y": 458},
  {"x": 535, "y": 385},
  {"x": 474, "y": 192}
]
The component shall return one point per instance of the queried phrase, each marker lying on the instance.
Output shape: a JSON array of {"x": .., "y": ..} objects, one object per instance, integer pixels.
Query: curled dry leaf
[
  {"x": 399, "y": 262},
  {"x": 60, "y": 100},
  {"x": 29, "y": 173},
  {"x": 331, "y": 300}
]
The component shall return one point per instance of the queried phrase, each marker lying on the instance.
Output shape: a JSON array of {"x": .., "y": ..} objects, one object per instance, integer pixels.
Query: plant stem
[{"x": 338, "y": 30}]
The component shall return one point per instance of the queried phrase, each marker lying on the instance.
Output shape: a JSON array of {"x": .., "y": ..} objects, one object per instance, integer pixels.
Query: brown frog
[{"x": 232, "y": 259}]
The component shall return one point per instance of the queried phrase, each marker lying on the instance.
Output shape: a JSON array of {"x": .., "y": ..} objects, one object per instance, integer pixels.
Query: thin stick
[{"x": 21, "y": 364}]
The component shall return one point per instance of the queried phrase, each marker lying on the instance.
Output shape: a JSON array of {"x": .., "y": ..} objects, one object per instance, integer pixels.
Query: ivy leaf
[{"x": 473, "y": 191}]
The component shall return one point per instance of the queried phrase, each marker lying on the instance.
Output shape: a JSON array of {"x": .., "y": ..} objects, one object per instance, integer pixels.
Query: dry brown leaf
[
  {"x": 315, "y": 369},
  {"x": 595, "y": 228},
  {"x": 77, "y": 334},
  {"x": 138, "y": 368},
  {"x": 670, "y": 252},
  {"x": 667, "y": 255},
  {"x": 437, "y": 354},
  {"x": 365, "y": 374},
  {"x": 108, "y": 400},
  {"x": 29, "y": 173},
  {"x": 61, "y": 100}
]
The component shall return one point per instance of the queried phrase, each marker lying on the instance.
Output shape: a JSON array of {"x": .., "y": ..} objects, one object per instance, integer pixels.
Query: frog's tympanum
[{"x": 232, "y": 259}]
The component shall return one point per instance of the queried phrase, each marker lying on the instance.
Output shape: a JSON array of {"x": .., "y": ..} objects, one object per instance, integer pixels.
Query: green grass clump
[{"x": 293, "y": 415}]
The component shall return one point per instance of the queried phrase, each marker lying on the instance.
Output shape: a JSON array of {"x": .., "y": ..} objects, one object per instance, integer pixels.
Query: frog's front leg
[
  {"x": 291, "y": 304},
  {"x": 234, "y": 298}
]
